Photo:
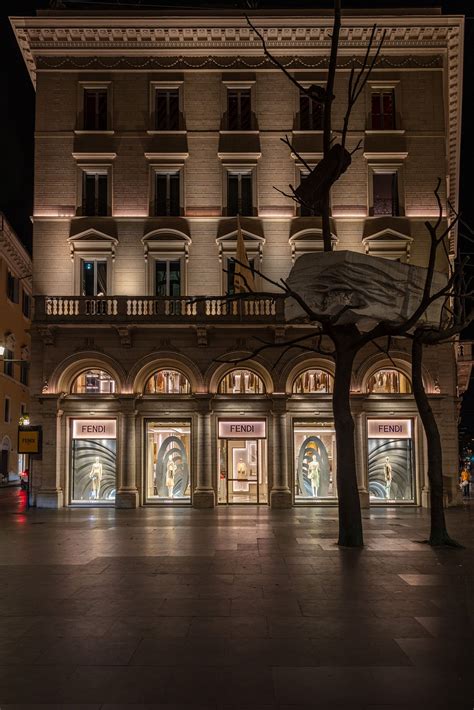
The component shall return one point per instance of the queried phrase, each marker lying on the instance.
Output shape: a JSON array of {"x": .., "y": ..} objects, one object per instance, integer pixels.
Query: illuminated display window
[
  {"x": 388, "y": 382},
  {"x": 93, "y": 461},
  {"x": 94, "y": 382},
  {"x": 390, "y": 461},
  {"x": 241, "y": 382},
  {"x": 314, "y": 461},
  {"x": 168, "y": 462},
  {"x": 168, "y": 382},
  {"x": 313, "y": 382}
]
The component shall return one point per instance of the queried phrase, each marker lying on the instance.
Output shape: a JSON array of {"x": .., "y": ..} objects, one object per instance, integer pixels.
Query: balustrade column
[
  {"x": 280, "y": 496},
  {"x": 127, "y": 493}
]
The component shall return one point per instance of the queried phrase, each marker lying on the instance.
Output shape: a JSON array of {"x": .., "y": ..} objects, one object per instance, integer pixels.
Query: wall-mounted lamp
[
  {"x": 2, "y": 350},
  {"x": 24, "y": 420}
]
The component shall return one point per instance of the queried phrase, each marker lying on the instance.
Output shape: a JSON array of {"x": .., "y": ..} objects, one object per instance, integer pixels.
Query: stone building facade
[
  {"x": 152, "y": 133},
  {"x": 15, "y": 323}
]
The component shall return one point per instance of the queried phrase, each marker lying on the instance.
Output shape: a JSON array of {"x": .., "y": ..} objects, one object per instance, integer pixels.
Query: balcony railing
[{"x": 147, "y": 309}]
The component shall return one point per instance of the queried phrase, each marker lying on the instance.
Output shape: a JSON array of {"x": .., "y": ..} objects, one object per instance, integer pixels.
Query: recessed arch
[
  {"x": 220, "y": 372},
  {"x": 313, "y": 380},
  {"x": 146, "y": 367},
  {"x": 167, "y": 381},
  {"x": 94, "y": 381},
  {"x": 66, "y": 372},
  {"x": 388, "y": 381},
  {"x": 298, "y": 366}
]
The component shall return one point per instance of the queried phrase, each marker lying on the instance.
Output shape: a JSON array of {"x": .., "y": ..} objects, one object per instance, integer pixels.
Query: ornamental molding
[{"x": 14, "y": 252}]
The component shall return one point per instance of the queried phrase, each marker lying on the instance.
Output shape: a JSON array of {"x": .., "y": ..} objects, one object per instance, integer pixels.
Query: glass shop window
[
  {"x": 167, "y": 113},
  {"x": 167, "y": 195},
  {"x": 93, "y": 277},
  {"x": 239, "y": 110},
  {"x": 389, "y": 382},
  {"x": 313, "y": 382},
  {"x": 383, "y": 110},
  {"x": 168, "y": 462},
  {"x": 168, "y": 382},
  {"x": 94, "y": 382},
  {"x": 168, "y": 278},
  {"x": 239, "y": 194},
  {"x": 95, "y": 194},
  {"x": 314, "y": 461},
  {"x": 391, "y": 470},
  {"x": 241, "y": 382},
  {"x": 385, "y": 191},
  {"x": 311, "y": 114},
  {"x": 95, "y": 109},
  {"x": 93, "y": 461}
]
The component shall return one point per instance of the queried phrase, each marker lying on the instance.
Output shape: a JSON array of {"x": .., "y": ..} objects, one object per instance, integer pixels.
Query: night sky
[{"x": 17, "y": 109}]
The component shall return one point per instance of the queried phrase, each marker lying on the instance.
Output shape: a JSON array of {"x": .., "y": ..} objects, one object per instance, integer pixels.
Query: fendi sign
[
  {"x": 242, "y": 429},
  {"x": 94, "y": 429},
  {"x": 389, "y": 428}
]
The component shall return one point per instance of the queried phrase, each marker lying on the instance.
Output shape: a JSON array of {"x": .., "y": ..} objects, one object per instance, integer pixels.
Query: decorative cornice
[{"x": 14, "y": 252}]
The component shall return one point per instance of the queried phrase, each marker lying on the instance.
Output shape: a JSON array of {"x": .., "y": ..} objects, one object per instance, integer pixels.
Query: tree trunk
[
  {"x": 350, "y": 519},
  {"x": 439, "y": 534}
]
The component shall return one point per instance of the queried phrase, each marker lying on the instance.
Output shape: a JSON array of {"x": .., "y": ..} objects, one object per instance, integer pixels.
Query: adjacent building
[
  {"x": 15, "y": 323},
  {"x": 153, "y": 132}
]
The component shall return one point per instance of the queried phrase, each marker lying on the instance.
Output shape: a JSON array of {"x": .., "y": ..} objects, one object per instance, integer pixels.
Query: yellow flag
[{"x": 243, "y": 277}]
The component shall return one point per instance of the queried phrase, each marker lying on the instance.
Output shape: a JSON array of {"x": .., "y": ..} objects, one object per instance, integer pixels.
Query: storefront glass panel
[
  {"x": 390, "y": 461},
  {"x": 168, "y": 462},
  {"x": 242, "y": 462},
  {"x": 314, "y": 462},
  {"x": 93, "y": 461}
]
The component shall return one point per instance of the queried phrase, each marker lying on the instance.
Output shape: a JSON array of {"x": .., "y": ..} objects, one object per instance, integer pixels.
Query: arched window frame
[
  {"x": 399, "y": 371},
  {"x": 242, "y": 394},
  {"x": 159, "y": 370},
  {"x": 93, "y": 394},
  {"x": 302, "y": 373}
]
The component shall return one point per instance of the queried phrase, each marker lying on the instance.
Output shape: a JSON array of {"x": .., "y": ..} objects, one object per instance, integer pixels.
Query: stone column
[
  {"x": 46, "y": 471},
  {"x": 362, "y": 460},
  {"x": 127, "y": 493},
  {"x": 280, "y": 495},
  {"x": 204, "y": 495}
]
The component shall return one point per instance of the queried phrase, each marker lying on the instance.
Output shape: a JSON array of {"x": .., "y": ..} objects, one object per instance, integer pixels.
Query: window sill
[
  {"x": 158, "y": 132},
  {"x": 386, "y": 131},
  {"x": 306, "y": 131},
  {"x": 83, "y": 132},
  {"x": 239, "y": 130}
]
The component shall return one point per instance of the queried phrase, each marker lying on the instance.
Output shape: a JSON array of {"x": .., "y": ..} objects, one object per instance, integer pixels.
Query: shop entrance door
[{"x": 242, "y": 471}]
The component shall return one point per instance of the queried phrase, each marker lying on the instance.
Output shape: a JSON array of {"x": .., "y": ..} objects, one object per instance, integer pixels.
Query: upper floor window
[
  {"x": 94, "y": 382},
  {"x": 95, "y": 193},
  {"x": 239, "y": 109},
  {"x": 8, "y": 357},
  {"x": 95, "y": 109},
  {"x": 13, "y": 288},
  {"x": 313, "y": 382},
  {"x": 311, "y": 114},
  {"x": 230, "y": 272},
  {"x": 24, "y": 372},
  {"x": 240, "y": 193},
  {"x": 6, "y": 410},
  {"x": 26, "y": 304},
  {"x": 167, "y": 200},
  {"x": 389, "y": 382},
  {"x": 385, "y": 194},
  {"x": 168, "y": 382},
  {"x": 241, "y": 382},
  {"x": 167, "y": 113},
  {"x": 383, "y": 110},
  {"x": 168, "y": 277},
  {"x": 93, "y": 277}
]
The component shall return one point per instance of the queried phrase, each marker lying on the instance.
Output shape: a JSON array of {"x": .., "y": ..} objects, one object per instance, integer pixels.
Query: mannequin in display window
[
  {"x": 170, "y": 473},
  {"x": 241, "y": 469},
  {"x": 388, "y": 476},
  {"x": 96, "y": 478},
  {"x": 313, "y": 475}
]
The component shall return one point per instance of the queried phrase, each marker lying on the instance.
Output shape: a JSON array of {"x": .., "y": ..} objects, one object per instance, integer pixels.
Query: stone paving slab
[{"x": 232, "y": 609}]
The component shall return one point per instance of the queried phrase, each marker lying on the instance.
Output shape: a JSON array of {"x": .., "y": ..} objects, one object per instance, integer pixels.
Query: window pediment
[
  {"x": 172, "y": 238},
  {"x": 252, "y": 232},
  {"x": 306, "y": 236},
  {"x": 90, "y": 239},
  {"x": 381, "y": 239}
]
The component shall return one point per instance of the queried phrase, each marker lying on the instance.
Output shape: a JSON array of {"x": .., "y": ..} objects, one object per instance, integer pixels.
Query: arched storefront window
[
  {"x": 241, "y": 382},
  {"x": 388, "y": 382},
  {"x": 168, "y": 382},
  {"x": 94, "y": 382},
  {"x": 313, "y": 382}
]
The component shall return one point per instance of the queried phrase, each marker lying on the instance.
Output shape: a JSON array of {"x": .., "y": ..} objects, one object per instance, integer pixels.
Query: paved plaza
[{"x": 235, "y": 608}]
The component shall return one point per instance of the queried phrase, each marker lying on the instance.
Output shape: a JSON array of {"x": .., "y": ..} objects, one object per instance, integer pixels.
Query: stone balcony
[{"x": 204, "y": 310}]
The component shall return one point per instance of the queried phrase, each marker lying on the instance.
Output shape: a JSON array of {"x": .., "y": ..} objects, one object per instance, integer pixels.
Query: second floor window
[
  {"x": 167, "y": 109},
  {"x": 95, "y": 109},
  {"x": 383, "y": 110},
  {"x": 8, "y": 362},
  {"x": 95, "y": 194},
  {"x": 6, "y": 410},
  {"x": 311, "y": 114},
  {"x": 12, "y": 288},
  {"x": 167, "y": 195},
  {"x": 24, "y": 373},
  {"x": 93, "y": 277},
  {"x": 239, "y": 110},
  {"x": 168, "y": 278},
  {"x": 26, "y": 305},
  {"x": 385, "y": 190},
  {"x": 230, "y": 281},
  {"x": 239, "y": 194}
]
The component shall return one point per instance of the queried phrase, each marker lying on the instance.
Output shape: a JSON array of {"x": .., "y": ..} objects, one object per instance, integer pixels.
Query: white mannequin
[
  {"x": 170, "y": 471},
  {"x": 313, "y": 475},
  {"x": 96, "y": 477},
  {"x": 388, "y": 476}
]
